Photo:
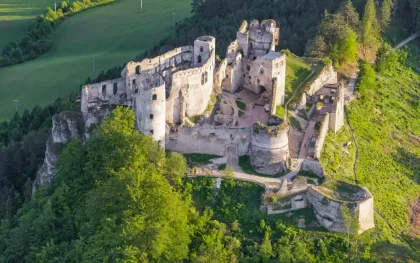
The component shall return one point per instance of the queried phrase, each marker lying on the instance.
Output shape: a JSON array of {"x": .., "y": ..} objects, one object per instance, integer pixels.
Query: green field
[
  {"x": 17, "y": 15},
  {"x": 113, "y": 33}
]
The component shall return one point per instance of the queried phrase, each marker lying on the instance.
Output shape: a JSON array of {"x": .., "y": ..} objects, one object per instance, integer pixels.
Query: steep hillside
[{"x": 386, "y": 125}]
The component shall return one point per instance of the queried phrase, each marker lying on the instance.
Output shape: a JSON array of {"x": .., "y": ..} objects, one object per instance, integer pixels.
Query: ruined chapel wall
[
  {"x": 321, "y": 137},
  {"x": 327, "y": 76},
  {"x": 208, "y": 139}
]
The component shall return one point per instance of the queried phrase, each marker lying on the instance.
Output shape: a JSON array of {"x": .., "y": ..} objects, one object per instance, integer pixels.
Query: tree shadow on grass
[{"x": 410, "y": 161}]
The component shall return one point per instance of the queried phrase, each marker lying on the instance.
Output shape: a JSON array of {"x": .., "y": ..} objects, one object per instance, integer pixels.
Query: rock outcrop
[{"x": 65, "y": 126}]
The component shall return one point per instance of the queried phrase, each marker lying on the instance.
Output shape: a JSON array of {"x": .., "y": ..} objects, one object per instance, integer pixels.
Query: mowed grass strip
[
  {"x": 17, "y": 15},
  {"x": 113, "y": 34}
]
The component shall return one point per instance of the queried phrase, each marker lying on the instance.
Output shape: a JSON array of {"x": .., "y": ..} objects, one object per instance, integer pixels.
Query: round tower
[
  {"x": 150, "y": 108},
  {"x": 269, "y": 148}
]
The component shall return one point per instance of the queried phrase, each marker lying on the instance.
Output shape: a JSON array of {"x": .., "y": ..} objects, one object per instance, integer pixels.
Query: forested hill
[
  {"x": 119, "y": 198},
  {"x": 297, "y": 19}
]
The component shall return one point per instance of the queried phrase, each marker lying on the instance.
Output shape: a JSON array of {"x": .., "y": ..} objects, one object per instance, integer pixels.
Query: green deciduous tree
[{"x": 370, "y": 35}]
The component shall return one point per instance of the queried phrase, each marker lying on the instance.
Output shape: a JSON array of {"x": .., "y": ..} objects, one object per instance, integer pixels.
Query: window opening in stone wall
[
  {"x": 151, "y": 132},
  {"x": 151, "y": 116},
  {"x": 248, "y": 67},
  {"x": 134, "y": 81},
  {"x": 138, "y": 70},
  {"x": 204, "y": 78},
  {"x": 115, "y": 88},
  {"x": 255, "y": 58},
  {"x": 154, "y": 97},
  {"x": 199, "y": 59},
  {"x": 201, "y": 49},
  {"x": 104, "y": 89},
  {"x": 136, "y": 91}
]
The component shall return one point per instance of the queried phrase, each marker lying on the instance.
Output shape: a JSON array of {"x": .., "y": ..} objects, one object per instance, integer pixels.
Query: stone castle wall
[
  {"x": 208, "y": 139},
  {"x": 327, "y": 76},
  {"x": 329, "y": 214},
  {"x": 321, "y": 136}
]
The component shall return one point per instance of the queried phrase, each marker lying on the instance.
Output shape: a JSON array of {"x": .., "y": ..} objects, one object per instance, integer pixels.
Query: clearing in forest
[{"x": 113, "y": 34}]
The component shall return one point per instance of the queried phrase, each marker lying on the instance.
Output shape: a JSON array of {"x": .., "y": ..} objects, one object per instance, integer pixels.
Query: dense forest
[{"x": 103, "y": 206}]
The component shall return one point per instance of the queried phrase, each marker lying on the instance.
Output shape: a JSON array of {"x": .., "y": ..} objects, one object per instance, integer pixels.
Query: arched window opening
[
  {"x": 199, "y": 59},
  {"x": 138, "y": 70}
]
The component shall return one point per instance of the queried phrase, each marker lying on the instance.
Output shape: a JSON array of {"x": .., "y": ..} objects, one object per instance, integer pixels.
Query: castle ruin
[{"x": 190, "y": 102}]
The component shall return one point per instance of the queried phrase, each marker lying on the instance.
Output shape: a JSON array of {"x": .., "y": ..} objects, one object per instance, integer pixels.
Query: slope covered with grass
[
  {"x": 386, "y": 125},
  {"x": 17, "y": 15},
  {"x": 114, "y": 34}
]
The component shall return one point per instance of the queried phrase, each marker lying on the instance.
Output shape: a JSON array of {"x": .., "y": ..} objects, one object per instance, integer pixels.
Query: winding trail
[{"x": 406, "y": 41}]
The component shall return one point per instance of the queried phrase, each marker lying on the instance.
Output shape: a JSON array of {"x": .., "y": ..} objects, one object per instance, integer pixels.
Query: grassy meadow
[
  {"x": 17, "y": 15},
  {"x": 113, "y": 34}
]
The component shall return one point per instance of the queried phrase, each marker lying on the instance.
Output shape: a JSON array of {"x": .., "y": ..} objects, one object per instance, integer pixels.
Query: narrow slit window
[
  {"x": 151, "y": 116},
  {"x": 115, "y": 88},
  {"x": 104, "y": 89},
  {"x": 201, "y": 49},
  {"x": 199, "y": 59}
]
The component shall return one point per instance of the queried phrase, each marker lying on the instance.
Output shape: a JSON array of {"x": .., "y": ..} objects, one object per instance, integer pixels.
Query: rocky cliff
[{"x": 65, "y": 126}]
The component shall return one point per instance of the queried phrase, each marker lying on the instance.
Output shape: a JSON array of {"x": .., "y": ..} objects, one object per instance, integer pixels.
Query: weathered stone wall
[
  {"x": 269, "y": 150},
  {"x": 327, "y": 76},
  {"x": 208, "y": 139},
  {"x": 234, "y": 75},
  {"x": 327, "y": 211},
  {"x": 65, "y": 126},
  {"x": 203, "y": 48},
  {"x": 153, "y": 65},
  {"x": 322, "y": 134},
  {"x": 329, "y": 215},
  {"x": 366, "y": 213},
  {"x": 337, "y": 115},
  {"x": 196, "y": 87},
  {"x": 313, "y": 166}
]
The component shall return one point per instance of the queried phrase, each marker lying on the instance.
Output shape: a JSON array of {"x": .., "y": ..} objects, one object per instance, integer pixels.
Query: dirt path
[{"x": 406, "y": 41}]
